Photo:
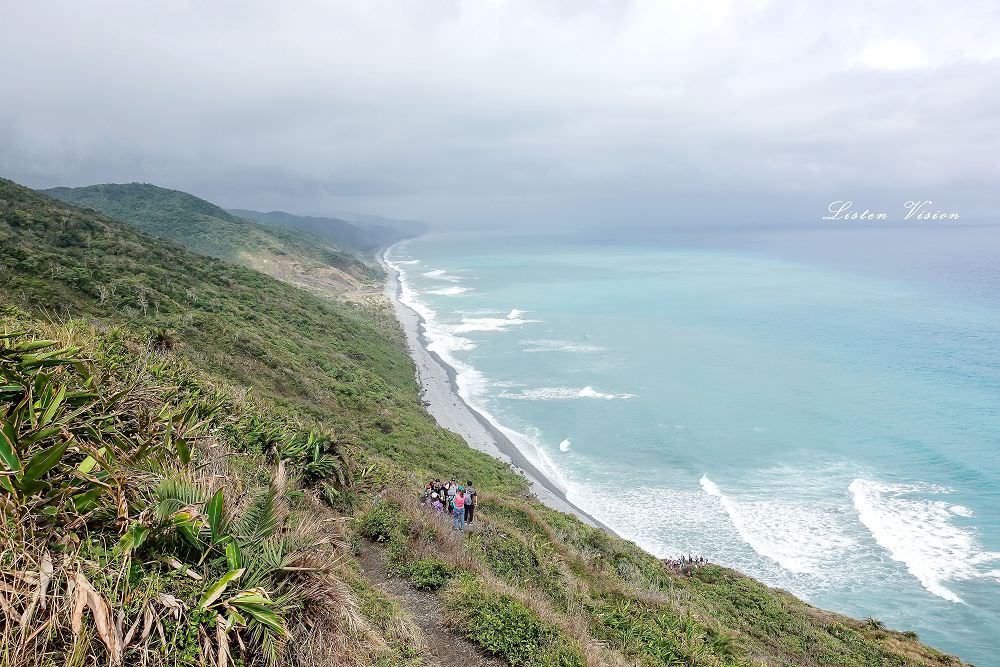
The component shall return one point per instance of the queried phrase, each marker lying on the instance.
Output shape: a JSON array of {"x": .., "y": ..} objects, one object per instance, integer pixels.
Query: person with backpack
[
  {"x": 452, "y": 491},
  {"x": 470, "y": 501},
  {"x": 458, "y": 514}
]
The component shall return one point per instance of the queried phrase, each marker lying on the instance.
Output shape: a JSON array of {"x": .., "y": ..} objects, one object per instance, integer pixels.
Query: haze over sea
[{"x": 816, "y": 407}]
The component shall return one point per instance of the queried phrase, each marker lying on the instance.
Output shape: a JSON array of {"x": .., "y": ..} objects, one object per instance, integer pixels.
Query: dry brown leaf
[
  {"x": 27, "y": 576},
  {"x": 13, "y": 590},
  {"x": 44, "y": 579},
  {"x": 8, "y": 611},
  {"x": 206, "y": 646},
  {"x": 159, "y": 631},
  {"x": 102, "y": 619},
  {"x": 135, "y": 626},
  {"x": 79, "y": 598},
  {"x": 222, "y": 639},
  {"x": 173, "y": 606},
  {"x": 147, "y": 622},
  {"x": 181, "y": 567}
]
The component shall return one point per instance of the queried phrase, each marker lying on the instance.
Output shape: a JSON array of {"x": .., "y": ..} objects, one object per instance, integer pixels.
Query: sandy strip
[{"x": 439, "y": 392}]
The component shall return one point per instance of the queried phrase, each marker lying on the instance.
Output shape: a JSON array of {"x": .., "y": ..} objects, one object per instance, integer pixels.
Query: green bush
[
  {"x": 430, "y": 574},
  {"x": 505, "y": 627},
  {"x": 509, "y": 557},
  {"x": 379, "y": 522}
]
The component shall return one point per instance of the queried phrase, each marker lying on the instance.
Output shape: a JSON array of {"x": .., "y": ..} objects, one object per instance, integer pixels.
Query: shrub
[
  {"x": 430, "y": 574},
  {"x": 509, "y": 557},
  {"x": 506, "y": 627},
  {"x": 379, "y": 522}
]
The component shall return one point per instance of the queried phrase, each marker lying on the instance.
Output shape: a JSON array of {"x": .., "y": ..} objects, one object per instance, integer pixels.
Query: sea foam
[
  {"x": 450, "y": 291},
  {"x": 548, "y": 345},
  {"x": 442, "y": 340},
  {"x": 440, "y": 274},
  {"x": 921, "y": 533},
  {"x": 490, "y": 323},
  {"x": 561, "y": 394},
  {"x": 800, "y": 538}
]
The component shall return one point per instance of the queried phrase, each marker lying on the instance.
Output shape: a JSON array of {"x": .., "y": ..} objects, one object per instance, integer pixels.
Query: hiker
[
  {"x": 452, "y": 491},
  {"x": 436, "y": 503},
  {"x": 458, "y": 514},
  {"x": 470, "y": 501}
]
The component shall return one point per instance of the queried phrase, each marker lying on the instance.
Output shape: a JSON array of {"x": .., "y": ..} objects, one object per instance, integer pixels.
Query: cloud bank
[{"x": 469, "y": 112}]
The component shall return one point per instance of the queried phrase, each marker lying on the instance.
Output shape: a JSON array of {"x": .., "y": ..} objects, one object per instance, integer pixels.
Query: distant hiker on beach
[
  {"x": 470, "y": 501},
  {"x": 458, "y": 514}
]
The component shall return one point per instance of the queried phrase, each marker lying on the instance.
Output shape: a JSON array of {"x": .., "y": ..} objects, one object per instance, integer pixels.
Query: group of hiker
[
  {"x": 686, "y": 564},
  {"x": 458, "y": 499}
]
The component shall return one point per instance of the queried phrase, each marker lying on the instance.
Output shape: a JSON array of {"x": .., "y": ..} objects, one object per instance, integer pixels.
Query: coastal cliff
[{"x": 204, "y": 464}]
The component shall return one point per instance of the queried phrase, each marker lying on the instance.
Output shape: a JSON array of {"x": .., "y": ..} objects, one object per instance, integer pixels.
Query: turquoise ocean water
[{"x": 819, "y": 409}]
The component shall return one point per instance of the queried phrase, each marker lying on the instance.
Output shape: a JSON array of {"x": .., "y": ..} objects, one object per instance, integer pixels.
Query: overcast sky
[{"x": 479, "y": 111}]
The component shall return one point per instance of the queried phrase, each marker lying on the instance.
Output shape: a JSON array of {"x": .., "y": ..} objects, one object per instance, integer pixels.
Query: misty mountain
[{"x": 366, "y": 235}]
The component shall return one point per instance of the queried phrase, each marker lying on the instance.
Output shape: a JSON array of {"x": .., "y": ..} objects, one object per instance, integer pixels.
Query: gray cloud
[{"x": 479, "y": 111}]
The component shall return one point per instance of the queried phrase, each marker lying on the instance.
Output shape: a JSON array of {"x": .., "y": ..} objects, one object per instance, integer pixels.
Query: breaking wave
[
  {"x": 450, "y": 291},
  {"x": 800, "y": 538},
  {"x": 922, "y": 534},
  {"x": 547, "y": 345},
  {"x": 561, "y": 394}
]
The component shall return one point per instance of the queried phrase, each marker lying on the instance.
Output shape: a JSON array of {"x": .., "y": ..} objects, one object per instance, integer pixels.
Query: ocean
[{"x": 818, "y": 407}]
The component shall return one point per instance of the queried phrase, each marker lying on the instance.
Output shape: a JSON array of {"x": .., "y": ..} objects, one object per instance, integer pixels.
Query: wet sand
[{"x": 439, "y": 392}]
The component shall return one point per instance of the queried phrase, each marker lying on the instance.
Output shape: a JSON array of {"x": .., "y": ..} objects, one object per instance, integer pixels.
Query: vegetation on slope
[
  {"x": 206, "y": 229},
  {"x": 149, "y": 516},
  {"x": 340, "y": 362},
  {"x": 336, "y": 407},
  {"x": 359, "y": 237}
]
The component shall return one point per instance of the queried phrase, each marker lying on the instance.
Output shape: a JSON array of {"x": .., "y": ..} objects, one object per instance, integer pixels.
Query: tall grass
[{"x": 137, "y": 525}]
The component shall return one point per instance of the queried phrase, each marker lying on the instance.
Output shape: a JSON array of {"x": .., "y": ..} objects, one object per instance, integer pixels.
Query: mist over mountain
[{"x": 364, "y": 237}]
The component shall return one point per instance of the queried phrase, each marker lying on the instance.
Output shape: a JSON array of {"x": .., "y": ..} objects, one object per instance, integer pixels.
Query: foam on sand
[
  {"x": 801, "y": 538},
  {"x": 562, "y": 394},
  {"x": 922, "y": 534},
  {"x": 442, "y": 340}
]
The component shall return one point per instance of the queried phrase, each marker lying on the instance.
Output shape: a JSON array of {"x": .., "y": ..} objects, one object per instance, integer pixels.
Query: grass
[
  {"x": 210, "y": 419},
  {"x": 206, "y": 229}
]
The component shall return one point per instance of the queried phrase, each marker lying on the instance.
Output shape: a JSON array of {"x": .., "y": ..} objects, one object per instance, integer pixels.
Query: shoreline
[{"x": 439, "y": 393}]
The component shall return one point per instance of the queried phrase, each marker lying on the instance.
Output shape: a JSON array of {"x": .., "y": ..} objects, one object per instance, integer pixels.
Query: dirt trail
[{"x": 445, "y": 647}]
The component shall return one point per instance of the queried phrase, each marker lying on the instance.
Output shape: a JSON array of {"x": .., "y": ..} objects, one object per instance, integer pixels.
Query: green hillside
[
  {"x": 285, "y": 253},
  {"x": 357, "y": 237},
  {"x": 207, "y": 465}
]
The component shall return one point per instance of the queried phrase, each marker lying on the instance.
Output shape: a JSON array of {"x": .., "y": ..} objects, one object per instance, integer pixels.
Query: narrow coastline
[{"x": 439, "y": 393}]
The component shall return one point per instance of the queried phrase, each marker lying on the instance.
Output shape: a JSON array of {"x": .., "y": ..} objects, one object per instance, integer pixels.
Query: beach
[
  {"x": 687, "y": 379},
  {"x": 440, "y": 396}
]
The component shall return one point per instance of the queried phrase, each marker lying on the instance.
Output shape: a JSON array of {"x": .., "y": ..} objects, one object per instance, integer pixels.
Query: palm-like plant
[
  {"x": 316, "y": 455},
  {"x": 265, "y": 566}
]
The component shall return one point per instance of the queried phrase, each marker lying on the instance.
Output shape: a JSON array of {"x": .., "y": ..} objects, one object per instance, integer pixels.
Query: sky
[{"x": 493, "y": 112}]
